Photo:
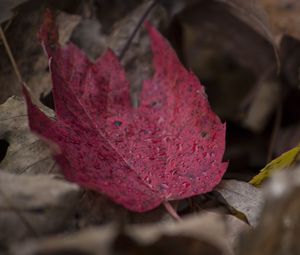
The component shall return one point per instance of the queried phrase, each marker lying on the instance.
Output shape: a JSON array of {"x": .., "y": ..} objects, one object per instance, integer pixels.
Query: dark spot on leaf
[
  {"x": 118, "y": 123},
  {"x": 153, "y": 103},
  {"x": 204, "y": 134}
]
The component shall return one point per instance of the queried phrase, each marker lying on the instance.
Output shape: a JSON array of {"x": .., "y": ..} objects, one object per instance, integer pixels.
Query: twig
[
  {"x": 140, "y": 22},
  {"x": 170, "y": 209},
  {"x": 10, "y": 55}
]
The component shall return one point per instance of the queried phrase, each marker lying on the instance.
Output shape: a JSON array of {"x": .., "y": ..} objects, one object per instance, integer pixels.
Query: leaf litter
[{"x": 274, "y": 228}]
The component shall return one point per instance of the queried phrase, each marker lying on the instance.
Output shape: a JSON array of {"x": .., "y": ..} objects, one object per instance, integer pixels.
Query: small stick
[
  {"x": 126, "y": 46},
  {"x": 10, "y": 55},
  {"x": 170, "y": 209}
]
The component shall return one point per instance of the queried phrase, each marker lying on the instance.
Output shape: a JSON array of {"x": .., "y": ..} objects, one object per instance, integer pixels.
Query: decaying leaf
[
  {"x": 284, "y": 17},
  {"x": 26, "y": 153},
  {"x": 7, "y": 8},
  {"x": 88, "y": 37},
  {"x": 66, "y": 25},
  {"x": 209, "y": 232},
  {"x": 264, "y": 102},
  {"x": 169, "y": 148},
  {"x": 28, "y": 55},
  {"x": 235, "y": 28},
  {"x": 286, "y": 160},
  {"x": 23, "y": 49},
  {"x": 253, "y": 14},
  {"x": 243, "y": 197},
  {"x": 31, "y": 206},
  {"x": 279, "y": 227}
]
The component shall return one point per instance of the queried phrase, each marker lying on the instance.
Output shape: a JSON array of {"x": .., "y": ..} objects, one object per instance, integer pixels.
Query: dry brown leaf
[
  {"x": 243, "y": 197},
  {"x": 87, "y": 36},
  {"x": 278, "y": 230},
  {"x": 31, "y": 206},
  {"x": 26, "y": 152},
  {"x": 253, "y": 14},
  {"x": 206, "y": 232},
  {"x": 284, "y": 16},
  {"x": 263, "y": 104},
  {"x": 7, "y": 8},
  {"x": 20, "y": 36},
  {"x": 239, "y": 28},
  {"x": 28, "y": 53}
]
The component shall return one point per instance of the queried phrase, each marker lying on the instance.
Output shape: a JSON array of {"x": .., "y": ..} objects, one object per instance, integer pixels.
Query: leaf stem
[
  {"x": 126, "y": 46},
  {"x": 170, "y": 209}
]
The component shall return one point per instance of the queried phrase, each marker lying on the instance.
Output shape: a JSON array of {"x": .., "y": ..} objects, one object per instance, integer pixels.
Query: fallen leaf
[
  {"x": 24, "y": 50},
  {"x": 253, "y": 14},
  {"x": 279, "y": 227},
  {"x": 284, "y": 17},
  {"x": 34, "y": 206},
  {"x": 169, "y": 148},
  {"x": 7, "y": 8},
  {"x": 264, "y": 102},
  {"x": 243, "y": 197},
  {"x": 218, "y": 229},
  {"x": 234, "y": 28},
  {"x": 88, "y": 37},
  {"x": 66, "y": 24},
  {"x": 26, "y": 154},
  {"x": 202, "y": 232},
  {"x": 286, "y": 160},
  {"x": 29, "y": 57}
]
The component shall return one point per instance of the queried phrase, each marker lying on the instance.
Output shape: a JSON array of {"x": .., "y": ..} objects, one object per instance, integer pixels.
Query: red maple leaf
[{"x": 169, "y": 148}]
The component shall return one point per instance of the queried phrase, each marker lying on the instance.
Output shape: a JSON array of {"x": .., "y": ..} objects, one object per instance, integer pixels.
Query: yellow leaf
[{"x": 285, "y": 160}]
